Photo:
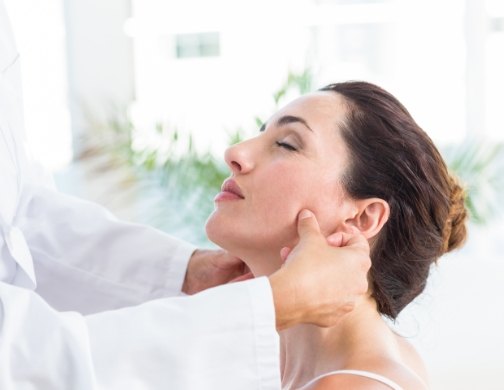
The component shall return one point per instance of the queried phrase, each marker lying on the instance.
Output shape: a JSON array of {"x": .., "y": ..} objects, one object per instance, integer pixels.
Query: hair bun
[{"x": 454, "y": 232}]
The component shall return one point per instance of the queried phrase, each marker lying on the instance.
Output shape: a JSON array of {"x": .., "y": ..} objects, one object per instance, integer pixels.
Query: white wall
[
  {"x": 99, "y": 57},
  {"x": 416, "y": 49},
  {"x": 40, "y": 37},
  {"x": 457, "y": 323},
  {"x": 439, "y": 58},
  {"x": 207, "y": 96},
  {"x": 428, "y": 63}
]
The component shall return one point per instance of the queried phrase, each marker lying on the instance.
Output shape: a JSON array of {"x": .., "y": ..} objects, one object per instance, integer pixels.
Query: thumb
[
  {"x": 307, "y": 225},
  {"x": 356, "y": 241},
  {"x": 336, "y": 239}
]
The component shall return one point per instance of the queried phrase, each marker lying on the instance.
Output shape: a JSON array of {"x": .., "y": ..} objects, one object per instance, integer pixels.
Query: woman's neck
[
  {"x": 308, "y": 351},
  {"x": 263, "y": 264}
]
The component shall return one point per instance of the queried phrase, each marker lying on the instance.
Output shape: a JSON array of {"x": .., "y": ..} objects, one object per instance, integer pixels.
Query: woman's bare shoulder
[
  {"x": 373, "y": 373},
  {"x": 411, "y": 357},
  {"x": 399, "y": 375},
  {"x": 353, "y": 382}
]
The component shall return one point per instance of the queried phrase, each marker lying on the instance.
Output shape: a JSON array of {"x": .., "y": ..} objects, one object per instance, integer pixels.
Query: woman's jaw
[
  {"x": 261, "y": 249},
  {"x": 294, "y": 162},
  {"x": 260, "y": 253}
]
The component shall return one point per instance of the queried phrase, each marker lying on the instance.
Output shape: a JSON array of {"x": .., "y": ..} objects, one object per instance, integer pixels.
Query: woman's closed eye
[{"x": 286, "y": 145}]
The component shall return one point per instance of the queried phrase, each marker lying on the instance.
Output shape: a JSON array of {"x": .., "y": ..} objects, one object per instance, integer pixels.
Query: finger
[
  {"x": 284, "y": 253},
  {"x": 355, "y": 240},
  {"x": 241, "y": 278},
  {"x": 335, "y": 239},
  {"x": 307, "y": 225},
  {"x": 227, "y": 260}
]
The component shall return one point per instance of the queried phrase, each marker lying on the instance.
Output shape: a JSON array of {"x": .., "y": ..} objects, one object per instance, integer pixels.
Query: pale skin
[
  {"x": 335, "y": 258},
  {"x": 295, "y": 163}
]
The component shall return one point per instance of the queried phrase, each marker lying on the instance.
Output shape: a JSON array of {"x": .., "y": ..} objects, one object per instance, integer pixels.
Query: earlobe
[{"x": 372, "y": 214}]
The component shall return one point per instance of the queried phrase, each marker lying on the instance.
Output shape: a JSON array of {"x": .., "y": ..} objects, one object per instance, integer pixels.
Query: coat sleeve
[
  {"x": 102, "y": 263},
  {"x": 223, "y": 338},
  {"x": 77, "y": 247}
]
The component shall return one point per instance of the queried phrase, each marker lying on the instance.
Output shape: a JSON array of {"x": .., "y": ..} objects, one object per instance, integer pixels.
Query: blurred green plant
[
  {"x": 479, "y": 166},
  {"x": 178, "y": 182},
  {"x": 295, "y": 85},
  {"x": 300, "y": 83}
]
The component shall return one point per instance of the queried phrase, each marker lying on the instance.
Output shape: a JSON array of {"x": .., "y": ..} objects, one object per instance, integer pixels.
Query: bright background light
[{"x": 210, "y": 68}]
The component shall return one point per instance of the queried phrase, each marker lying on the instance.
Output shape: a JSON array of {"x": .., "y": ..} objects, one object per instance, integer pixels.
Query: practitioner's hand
[
  {"x": 210, "y": 268},
  {"x": 320, "y": 282}
]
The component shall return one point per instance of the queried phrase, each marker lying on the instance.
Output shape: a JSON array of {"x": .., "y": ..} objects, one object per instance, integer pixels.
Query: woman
[{"x": 353, "y": 155}]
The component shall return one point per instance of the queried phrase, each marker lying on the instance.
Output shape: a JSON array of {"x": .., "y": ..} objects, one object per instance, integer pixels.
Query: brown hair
[{"x": 393, "y": 159}]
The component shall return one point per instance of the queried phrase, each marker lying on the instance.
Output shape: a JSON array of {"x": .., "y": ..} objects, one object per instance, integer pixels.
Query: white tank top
[{"x": 366, "y": 374}]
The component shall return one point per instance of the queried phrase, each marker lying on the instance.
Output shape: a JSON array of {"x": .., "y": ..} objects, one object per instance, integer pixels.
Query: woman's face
[{"x": 295, "y": 162}]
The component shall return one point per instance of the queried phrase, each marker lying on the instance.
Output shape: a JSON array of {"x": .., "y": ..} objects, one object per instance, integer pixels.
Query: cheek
[
  {"x": 319, "y": 193},
  {"x": 282, "y": 194},
  {"x": 267, "y": 218},
  {"x": 289, "y": 191}
]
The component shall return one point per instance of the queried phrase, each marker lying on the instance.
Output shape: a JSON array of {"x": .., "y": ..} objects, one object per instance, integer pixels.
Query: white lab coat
[{"x": 82, "y": 295}]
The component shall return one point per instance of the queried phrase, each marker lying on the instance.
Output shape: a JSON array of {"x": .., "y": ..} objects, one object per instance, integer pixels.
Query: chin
[
  {"x": 261, "y": 255},
  {"x": 220, "y": 236},
  {"x": 212, "y": 231}
]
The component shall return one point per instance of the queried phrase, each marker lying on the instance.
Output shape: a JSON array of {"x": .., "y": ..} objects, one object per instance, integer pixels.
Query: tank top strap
[{"x": 366, "y": 374}]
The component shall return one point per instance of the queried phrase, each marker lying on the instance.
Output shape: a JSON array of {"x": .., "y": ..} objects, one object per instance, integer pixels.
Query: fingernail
[{"x": 305, "y": 214}]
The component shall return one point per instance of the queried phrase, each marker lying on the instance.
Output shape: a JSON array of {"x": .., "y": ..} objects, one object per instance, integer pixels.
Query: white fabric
[
  {"x": 107, "y": 264},
  {"x": 220, "y": 339},
  {"x": 366, "y": 374},
  {"x": 82, "y": 294}
]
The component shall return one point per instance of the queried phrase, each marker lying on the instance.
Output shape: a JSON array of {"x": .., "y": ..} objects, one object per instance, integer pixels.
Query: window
[{"x": 197, "y": 45}]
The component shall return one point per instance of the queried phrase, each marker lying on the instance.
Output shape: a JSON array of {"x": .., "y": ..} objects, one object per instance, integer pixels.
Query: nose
[{"x": 239, "y": 157}]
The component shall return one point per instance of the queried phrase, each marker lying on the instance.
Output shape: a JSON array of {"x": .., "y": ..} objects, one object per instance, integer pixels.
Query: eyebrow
[{"x": 286, "y": 119}]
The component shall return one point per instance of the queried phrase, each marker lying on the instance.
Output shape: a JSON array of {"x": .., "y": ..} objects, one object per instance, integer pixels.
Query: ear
[{"x": 370, "y": 216}]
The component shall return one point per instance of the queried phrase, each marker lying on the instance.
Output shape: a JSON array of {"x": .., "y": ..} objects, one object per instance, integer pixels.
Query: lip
[{"x": 229, "y": 191}]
